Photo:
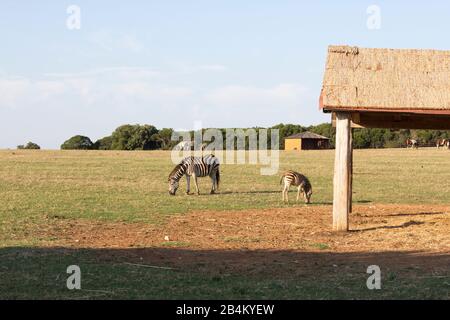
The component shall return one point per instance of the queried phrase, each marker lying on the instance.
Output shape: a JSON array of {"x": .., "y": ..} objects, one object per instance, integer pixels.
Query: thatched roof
[
  {"x": 416, "y": 81},
  {"x": 307, "y": 135}
]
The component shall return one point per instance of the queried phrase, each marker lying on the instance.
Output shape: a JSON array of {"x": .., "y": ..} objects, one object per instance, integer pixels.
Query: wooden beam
[
  {"x": 353, "y": 124},
  {"x": 397, "y": 120},
  {"x": 403, "y": 121},
  {"x": 342, "y": 172}
]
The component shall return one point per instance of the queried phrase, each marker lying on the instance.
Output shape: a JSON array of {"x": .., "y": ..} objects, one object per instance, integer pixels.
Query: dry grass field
[{"x": 110, "y": 213}]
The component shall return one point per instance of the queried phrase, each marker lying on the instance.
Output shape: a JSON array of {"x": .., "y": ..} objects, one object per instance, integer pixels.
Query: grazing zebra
[
  {"x": 412, "y": 143},
  {"x": 195, "y": 167},
  {"x": 445, "y": 143},
  {"x": 296, "y": 179}
]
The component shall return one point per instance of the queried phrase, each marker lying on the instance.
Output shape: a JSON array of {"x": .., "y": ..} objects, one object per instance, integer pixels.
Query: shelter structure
[
  {"x": 306, "y": 141},
  {"x": 380, "y": 88}
]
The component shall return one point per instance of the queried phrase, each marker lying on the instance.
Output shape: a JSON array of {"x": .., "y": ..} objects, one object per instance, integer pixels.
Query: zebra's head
[
  {"x": 174, "y": 178},
  {"x": 173, "y": 186},
  {"x": 307, "y": 193}
]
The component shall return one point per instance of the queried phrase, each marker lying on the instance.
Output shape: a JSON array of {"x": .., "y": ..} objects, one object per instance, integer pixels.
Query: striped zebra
[
  {"x": 412, "y": 143},
  {"x": 196, "y": 167},
  {"x": 292, "y": 178},
  {"x": 445, "y": 143}
]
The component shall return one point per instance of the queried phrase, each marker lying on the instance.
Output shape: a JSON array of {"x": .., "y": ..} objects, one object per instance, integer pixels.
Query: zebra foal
[
  {"x": 292, "y": 178},
  {"x": 195, "y": 167}
]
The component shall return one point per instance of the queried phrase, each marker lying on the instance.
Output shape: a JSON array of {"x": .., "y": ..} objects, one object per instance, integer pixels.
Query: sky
[{"x": 222, "y": 63}]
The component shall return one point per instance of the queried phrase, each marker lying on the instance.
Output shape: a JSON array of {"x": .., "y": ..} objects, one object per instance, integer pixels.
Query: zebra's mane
[
  {"x": 307, "y": 183},
  {"x": 178, "y": 168}
]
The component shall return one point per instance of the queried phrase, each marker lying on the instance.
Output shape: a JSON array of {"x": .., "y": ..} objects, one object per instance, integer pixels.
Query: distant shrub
[
  {"x": 78, "y": 143},
  {"x": 103, "y": 143},
  {"x": 29, "y": 145}
]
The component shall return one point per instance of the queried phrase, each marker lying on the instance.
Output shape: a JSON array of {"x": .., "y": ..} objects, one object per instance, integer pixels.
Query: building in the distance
[{"x": 306, "y": 141}]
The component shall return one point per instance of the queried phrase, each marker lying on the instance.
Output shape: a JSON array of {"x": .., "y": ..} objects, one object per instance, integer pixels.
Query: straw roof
[
  {"x": 416, "y": 81},
  {"x": 307, "y": 135}
]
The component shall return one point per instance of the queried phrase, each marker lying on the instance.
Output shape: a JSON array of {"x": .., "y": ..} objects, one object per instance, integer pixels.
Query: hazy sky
[{"x": 171, "y": 63}]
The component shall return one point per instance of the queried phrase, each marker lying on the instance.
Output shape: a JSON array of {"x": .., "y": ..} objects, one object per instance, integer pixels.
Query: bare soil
[{"x": 248, "y": 241}]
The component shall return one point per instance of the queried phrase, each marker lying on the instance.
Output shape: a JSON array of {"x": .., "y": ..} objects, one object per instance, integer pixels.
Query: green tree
[
  {"x": 134, "y": 137},
  {"x": 164, "y": 138},
  {"x": 287, "y": 130},
  {"x": 361, "y": 138},
  {"x": 326, "y": 130},
  {"x": 29, "y": 145},
  {"x": 426, "y": 136},
  {"x": 78, "y": 143},
  {"x": 103, "y": 143}
]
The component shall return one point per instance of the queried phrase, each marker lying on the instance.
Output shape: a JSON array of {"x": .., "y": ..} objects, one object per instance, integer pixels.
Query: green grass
[
  {"x": 132, "y": 187},
  {"x": 31, "y": 274},
  {"x": 175, "y": 244},
  {"x": 321, "y": 246}
]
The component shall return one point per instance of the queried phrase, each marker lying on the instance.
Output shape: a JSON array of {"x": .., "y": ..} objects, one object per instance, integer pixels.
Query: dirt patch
[
  {"x": 373, "y": 228},
  {"x": 403, "y": 235}
]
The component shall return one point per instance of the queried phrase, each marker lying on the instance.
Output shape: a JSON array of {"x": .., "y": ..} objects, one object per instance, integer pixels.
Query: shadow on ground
[
  {"x": 404, "y": 225},
  {"x": 165, "y": 273},
  {"x": 406, "y": 214}
]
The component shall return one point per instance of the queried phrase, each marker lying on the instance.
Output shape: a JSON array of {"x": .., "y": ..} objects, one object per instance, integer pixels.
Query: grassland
[
  {"x": 40, "y": 187},
  {"x": 132, "y": 186}
]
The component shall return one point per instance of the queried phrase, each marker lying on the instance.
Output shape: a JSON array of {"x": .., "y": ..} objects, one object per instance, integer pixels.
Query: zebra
[
  {"x": 445, "y": 143},
  {"x": 412, "y": 143},
  {"x": 296, "y": 179},
  {"x": 195, "y": 167}
]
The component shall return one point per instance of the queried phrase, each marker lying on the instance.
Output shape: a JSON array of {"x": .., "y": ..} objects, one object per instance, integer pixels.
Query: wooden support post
[
  {"x": 350, "y": 178},
  {"x": 342, "y": 172}
]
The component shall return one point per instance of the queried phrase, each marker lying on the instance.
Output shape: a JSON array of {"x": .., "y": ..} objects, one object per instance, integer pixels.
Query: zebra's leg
[
  {"x": 213, "y": 180},
  {"x": 298, "y": 192},
  {"x": 188, "y": 184},
  {"x": 286, "y": 192},
  {"x": 196, "y": 184}
]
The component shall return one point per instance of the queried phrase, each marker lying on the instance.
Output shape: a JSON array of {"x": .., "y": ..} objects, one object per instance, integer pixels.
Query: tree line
[{"x": 148, "y": 137}]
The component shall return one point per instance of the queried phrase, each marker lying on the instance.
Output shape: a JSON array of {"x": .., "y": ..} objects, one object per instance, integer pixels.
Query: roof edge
[
  {"x": 296, "y": 136},
  {"x": 348, "y": 49},
  {"x": 386, "y": 110}
]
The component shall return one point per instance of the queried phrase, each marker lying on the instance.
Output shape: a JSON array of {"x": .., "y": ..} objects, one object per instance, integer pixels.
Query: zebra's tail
[
  {"x": 281, "y": 179},
  {"x": 217, "y": 178}
]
